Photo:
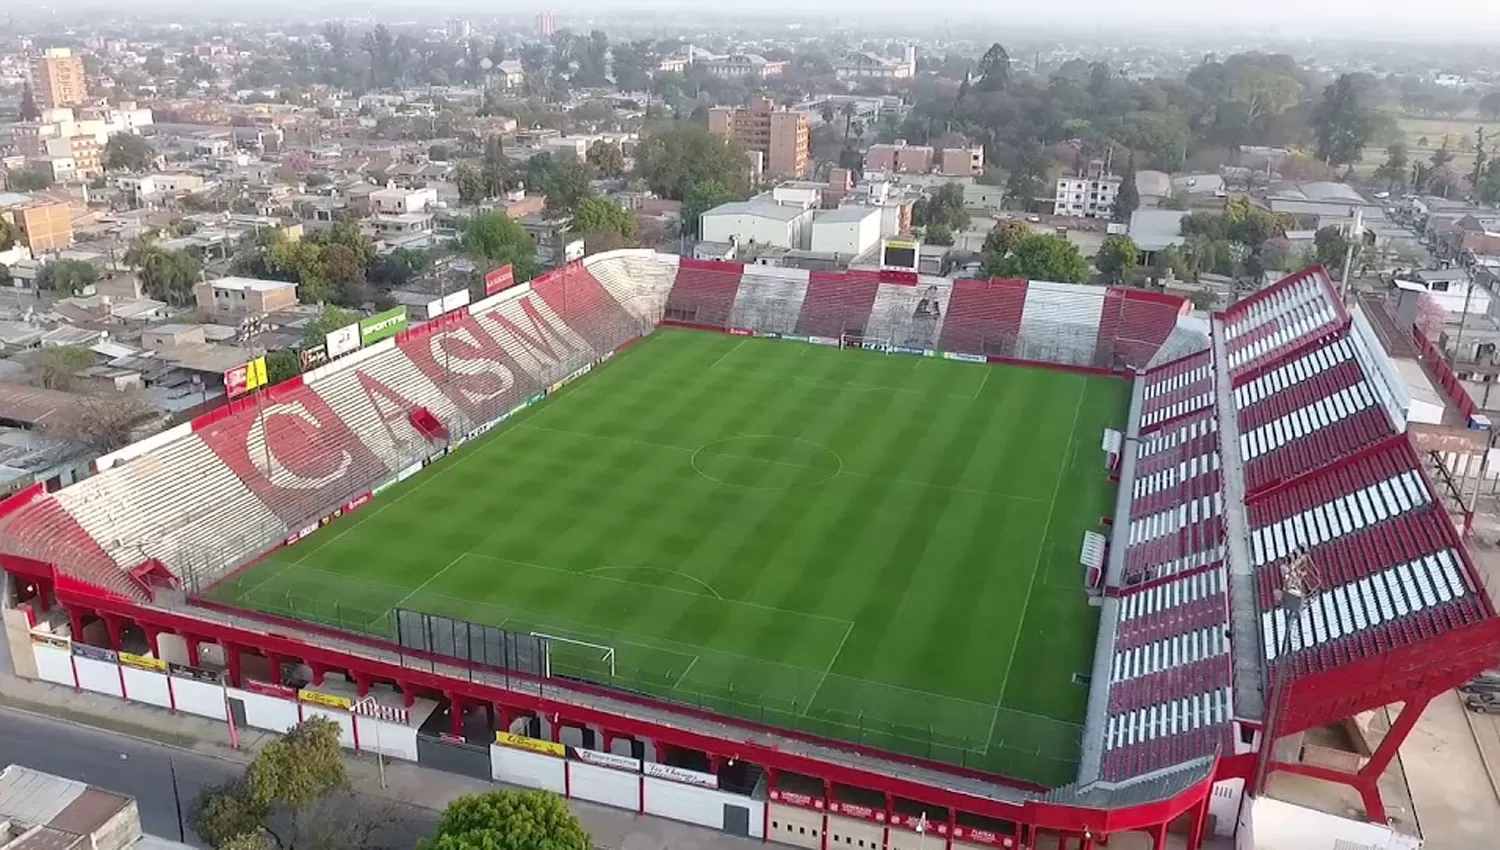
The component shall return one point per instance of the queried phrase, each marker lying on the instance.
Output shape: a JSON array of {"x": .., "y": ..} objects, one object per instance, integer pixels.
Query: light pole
[
  {"x": 370, "y": 703},
  {"x": 1299, "y": 580}
]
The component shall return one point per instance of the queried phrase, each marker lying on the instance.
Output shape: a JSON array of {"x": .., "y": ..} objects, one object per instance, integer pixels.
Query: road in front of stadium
[{"x": 144, "y": 768}]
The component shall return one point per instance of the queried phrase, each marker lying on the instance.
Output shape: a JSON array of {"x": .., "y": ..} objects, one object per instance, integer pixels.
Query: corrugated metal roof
[{"x": 34, "y": 798}]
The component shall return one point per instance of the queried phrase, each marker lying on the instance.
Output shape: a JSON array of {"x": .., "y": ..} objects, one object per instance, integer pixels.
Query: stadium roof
[{"x": 1286, "y": 437}]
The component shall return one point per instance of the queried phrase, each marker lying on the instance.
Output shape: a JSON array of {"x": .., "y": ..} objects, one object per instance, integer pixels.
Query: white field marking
[
  {"x": 843, "y": 471},
  {"x": 576, "y": 574},
  {"x": 725, "y": 355},
  {"x": 430, "y": 579},
  {"x": 826, "y": 670},
  {"x": 694, "y": 579},
  {"x": 1036, "y": 567},
  {"x": 685, "y": 671},
  {"x": 982, "y": 382}
]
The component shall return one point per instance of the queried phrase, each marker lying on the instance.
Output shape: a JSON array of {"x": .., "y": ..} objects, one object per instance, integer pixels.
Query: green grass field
[{"x": 872, "y": 547}]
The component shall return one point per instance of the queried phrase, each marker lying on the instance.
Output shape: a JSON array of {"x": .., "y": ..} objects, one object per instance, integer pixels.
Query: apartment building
[
  {"x": 962, "y": 162},
  {"x": 243, "y": 296},
  {"x": 782, "y": 137},
  {"x": 1090, "y": 194},
  {"x": 41, "y": 225},
  {"x": 57, "y": 79},
  {"x": 899, "y": 158},
  {"x": 871, "y": 66}
]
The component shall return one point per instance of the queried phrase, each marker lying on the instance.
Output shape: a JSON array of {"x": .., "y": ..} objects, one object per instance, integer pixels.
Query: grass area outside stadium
[{"x": 871, "y": 547}]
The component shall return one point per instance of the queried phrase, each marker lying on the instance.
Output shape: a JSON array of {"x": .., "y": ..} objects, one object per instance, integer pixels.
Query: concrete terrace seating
[
  {"x": 984, "y": 317},
  {"x": 296, "y": 453},
  {"x": 576, "y": 296},
  {"x": 637, "y": 280},
  {"x": 837, "y": 304},
  {"x": 45, "y": 531},
  {"x": 769, "y": 299},
  {"x": 704, "y": 292},
  {"x": 1274, "y": 320},
  {"x": 1060, "y": 323},
  {"x": 908, "y": 315},
  {"x": 1176, "y": 389},
  {"x": 1190, "y": 335},
  {"x": 1133, "y": 325},
  {"x": 380, "y": 422},
  {"x": 180, "y": 504}
]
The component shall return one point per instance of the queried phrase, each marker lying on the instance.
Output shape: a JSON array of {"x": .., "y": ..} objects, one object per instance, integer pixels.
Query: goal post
[
  {"x": 575, "y": 651},
  {"x": 867, "y": 343}
]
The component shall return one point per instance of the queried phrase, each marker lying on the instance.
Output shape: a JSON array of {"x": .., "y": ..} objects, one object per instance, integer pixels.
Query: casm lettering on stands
[{"x": 535, "y": 745}]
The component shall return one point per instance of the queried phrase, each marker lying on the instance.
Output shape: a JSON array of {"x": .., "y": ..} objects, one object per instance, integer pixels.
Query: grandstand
[{"x": 1269, "y": 433}]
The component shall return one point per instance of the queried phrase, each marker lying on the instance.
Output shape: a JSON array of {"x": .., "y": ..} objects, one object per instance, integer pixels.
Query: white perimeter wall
[
  {"x": 266, "y": 712},
  {"x": 1283, "y": 826},
  {"x": 53, "y": 664},
  {"x": 146, "y": 686},
  {"x": 603, "y": 785},
  {"x": 392, "y": 739},
  {"x": 530, "y": 770},
  {"x": 690, "y": 803},
  {"x": 98, "y": 676},
  {"x": 200, "y": 698}
]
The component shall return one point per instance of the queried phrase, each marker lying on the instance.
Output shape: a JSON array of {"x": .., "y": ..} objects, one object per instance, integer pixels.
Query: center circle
[{"x": 766, "y": 462}]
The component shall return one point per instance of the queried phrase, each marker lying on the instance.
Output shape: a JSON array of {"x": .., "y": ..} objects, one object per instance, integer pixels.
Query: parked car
[
  {"x": 1487, "y": 683},
  {"x": 1482, "y": 703}
]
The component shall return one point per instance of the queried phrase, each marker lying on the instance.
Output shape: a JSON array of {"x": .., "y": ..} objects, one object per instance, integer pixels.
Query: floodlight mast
[{"x": 1299, "y": 580}]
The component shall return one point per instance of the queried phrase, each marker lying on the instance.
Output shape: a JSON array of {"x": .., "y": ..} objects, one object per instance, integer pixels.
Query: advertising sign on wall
[
  {"x": 197, "y": 673},
  {"x": 143, "y": 662},
  {"x": 535, "y": 745},
  {"x": 499, "y": 280},
  {"x": 314, "y": 356},
  {"x": 382, "y": 325},
  {"x": 601, "y": 759},
  {"x": 326, "y": 700},
  {"x": 243, "y": 379},
  {"x": 342, "y": 341},
  {"x": 83, "y": 650},
  {"x": 681, "y": 774},
  {"x": 255, "y": 686},
  {"x": 52, "y": 641}
]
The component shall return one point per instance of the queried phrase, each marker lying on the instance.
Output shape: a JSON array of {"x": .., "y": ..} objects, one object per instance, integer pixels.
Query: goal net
[
  {"x": 868, "y": 343},
  {"x": 581, "y": 659}
]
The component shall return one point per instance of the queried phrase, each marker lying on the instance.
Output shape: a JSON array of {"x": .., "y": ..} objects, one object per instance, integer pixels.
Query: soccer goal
[
  {"x": 577, "y": 658},
  {"x": 868, "y": 343}
]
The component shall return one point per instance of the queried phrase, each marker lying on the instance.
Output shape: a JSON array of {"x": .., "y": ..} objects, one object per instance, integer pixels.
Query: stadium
[{"x": 812, "y": 557}]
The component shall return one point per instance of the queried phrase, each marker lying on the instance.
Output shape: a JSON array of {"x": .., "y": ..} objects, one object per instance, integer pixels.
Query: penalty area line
[
  {"x": 829, "y": 669},
  {"x": 686, "y": 670}
]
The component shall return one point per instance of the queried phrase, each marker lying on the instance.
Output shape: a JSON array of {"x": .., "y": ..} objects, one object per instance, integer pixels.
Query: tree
[
  {"x": 28, "y": 179},
  {"x": 401, "y": 266},
  {"x": 1330, "y": 246},
  {"x": 1044, "y": 257},
  {"x": 1117, "y": 256},
  {"x": 992, "y": 74},
  {"x": 597, "y": 215},
  {"x": 938, "y": 233},
  {"x": 285, "y": 793},
  {"x": 128, "y": 152},
  {"x": 165, "y": 275},
  {"x": 1128, "y": 198},
  {"x": 498, "y": 173},
  {"x": 53, "y": 367},
  {"x": 606, "y": 158},
  {"x": 945, "y": 207},
  {"x": 282, "y": 365},
  {"x": 104, "y": 421},
  {"x": 1003, "y": 238},
  {"x": 508, "y": 820},
  {"x": 7, "y": 234},
  {"x": 673, "y": 160},
  {"x": 700, "y": 199},
  {"x": 567, "y": 180},
  {"x": 1393, "y": 170},
  {"x": 495, "y": 239},
  {"x": 1342, "y": 121},
  {"x": 329, "y": 318},
  {"x": 67, "y": 277},
  {"x": 470, "y": 183},
  {"x": 29, "y": 110},
  {"x": 1489, "y": 105}
]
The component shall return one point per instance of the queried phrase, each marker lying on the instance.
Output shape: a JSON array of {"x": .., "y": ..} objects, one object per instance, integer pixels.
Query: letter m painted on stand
[{"x": 542, "y": 344}]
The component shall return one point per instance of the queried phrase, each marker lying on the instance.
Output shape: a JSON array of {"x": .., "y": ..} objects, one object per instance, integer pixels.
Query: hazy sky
[{"x": 1459, "y": 19}]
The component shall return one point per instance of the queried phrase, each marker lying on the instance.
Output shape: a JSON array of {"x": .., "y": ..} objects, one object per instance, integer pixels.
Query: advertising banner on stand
[
  {"x": 499, "y": 280},
  {"x": 243, "y": 379},
  {"x": 342, "y": 341},
  {"x": 382, "y": 325}
]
